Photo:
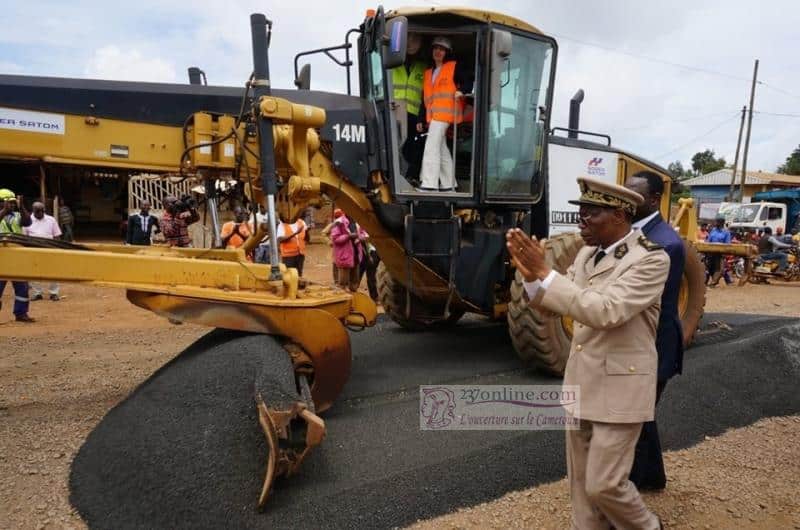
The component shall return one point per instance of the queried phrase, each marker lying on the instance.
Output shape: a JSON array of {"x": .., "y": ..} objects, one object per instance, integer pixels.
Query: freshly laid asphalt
[{"x": 185, "y": 449}]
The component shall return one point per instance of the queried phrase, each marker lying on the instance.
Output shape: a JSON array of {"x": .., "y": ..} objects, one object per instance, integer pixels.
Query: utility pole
[
  {"x": 736, "y": 158},
  {"x": 749, "y": 128}
]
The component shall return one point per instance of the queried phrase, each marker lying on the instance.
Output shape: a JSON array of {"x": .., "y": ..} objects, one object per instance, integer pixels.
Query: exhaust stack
[{"x": 575, "y": 114}]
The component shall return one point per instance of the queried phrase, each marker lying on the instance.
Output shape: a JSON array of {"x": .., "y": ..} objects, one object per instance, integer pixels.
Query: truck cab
[{"x": 755, "y": 216}]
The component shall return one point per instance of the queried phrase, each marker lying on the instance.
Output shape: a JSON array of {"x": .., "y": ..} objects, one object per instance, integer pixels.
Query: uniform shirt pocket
[
  {"x": 630, "y": 383},
  {"x": 629, "y": 364}
]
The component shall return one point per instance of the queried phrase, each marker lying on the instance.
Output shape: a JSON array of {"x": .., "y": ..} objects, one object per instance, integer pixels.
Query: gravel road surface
[{"x": 150, "y": 463}]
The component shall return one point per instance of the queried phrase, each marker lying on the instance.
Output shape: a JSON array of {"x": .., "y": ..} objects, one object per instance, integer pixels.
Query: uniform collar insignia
[
  {"x": 649, "y": 245},
  {"x": 621, "y": 250}
]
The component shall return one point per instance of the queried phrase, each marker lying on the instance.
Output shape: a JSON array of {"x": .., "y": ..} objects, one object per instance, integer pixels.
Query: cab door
[
  {"x": 382, "y": 46},
  {"x": 520, "y": 88}
]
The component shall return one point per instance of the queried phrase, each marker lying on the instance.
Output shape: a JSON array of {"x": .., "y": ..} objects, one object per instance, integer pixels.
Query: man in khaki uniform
[{"x": 613, "y": 292}]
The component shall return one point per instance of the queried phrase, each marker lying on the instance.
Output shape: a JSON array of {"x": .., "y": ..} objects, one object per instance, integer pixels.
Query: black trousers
[
  {"x": 370, "y": 267},
  {"x": 648, "y": 464},
  {"x": 295, "y": 262}
]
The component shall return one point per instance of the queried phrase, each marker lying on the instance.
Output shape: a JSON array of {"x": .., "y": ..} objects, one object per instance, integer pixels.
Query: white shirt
[
  {"x": 641, "y": 222},
  {"x": 46, "y": 227},
  {"x": 435, "y": 74},
  {"x": 533, "y": 287}
]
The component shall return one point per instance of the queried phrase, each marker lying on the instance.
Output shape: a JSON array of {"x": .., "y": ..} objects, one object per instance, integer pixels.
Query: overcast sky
[{"x": 664, "y": 79}]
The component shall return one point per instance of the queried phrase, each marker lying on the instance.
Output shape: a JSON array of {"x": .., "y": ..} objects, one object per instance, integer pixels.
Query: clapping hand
[{"x": 527, "y": 253}]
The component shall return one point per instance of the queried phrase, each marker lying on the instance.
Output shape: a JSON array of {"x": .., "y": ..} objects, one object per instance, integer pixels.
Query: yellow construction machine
[{"x": 442, "y": 252}]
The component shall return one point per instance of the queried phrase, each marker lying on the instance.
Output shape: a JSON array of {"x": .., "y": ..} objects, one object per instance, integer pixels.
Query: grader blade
[
  {"x": 286, "y": 415},
  {"x": 321, "y": 348}
]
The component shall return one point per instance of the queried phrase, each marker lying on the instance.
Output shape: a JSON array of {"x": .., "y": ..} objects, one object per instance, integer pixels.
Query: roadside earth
[
  {"x": 745, "y": 478},
  {"x": 60, "y": 375}
]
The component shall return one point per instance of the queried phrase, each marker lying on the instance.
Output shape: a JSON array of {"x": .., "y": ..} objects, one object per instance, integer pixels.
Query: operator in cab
[
  {"x": 443, "y": 94},
  {"x": 407, "y": 82}
]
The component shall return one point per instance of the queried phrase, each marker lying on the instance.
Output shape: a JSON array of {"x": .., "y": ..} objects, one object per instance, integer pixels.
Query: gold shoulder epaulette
[{"x": 649, "y": 245}]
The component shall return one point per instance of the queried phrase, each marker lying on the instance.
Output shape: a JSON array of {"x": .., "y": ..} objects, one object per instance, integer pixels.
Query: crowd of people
[
  {"x": 353, "y": 256},
  {"x": 771, "y": 247},
  {"x": 16, "y": 219}
]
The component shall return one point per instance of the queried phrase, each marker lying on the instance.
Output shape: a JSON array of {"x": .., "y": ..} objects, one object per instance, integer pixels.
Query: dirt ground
[{"x": 61, "y": 374}]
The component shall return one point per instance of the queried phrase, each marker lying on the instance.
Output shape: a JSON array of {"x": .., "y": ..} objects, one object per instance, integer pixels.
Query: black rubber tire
[
  {"x": 693, "y": 280},
  {"x": 392, "y": 296},
  {"x": 543, "y": 341}
]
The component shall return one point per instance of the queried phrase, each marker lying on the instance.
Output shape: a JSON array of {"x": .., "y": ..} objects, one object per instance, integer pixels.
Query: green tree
[
  {"x": 675, "y": 169},
  {"x": 792, "y": 164},
  {"x": 678, "y": 174},
  {"x": 706, "y": 161}
]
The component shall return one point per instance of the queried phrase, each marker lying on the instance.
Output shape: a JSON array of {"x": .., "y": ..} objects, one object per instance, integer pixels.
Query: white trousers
[
  {"x": 36, "y": 289},
  {"x": 437, "y": 163}
]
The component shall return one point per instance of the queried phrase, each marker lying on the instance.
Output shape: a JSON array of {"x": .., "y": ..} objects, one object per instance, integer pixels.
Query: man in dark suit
[
  {"x": 141, "y": 225},
  {"x": 648, "y": 466}
]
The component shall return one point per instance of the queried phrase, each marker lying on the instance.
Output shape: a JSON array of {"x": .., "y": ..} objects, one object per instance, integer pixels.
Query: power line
[
  {"x": 776, "y": 114},
  {"x": 778, "y": 89},
  {"x": 653, "y": 59},
  {"x": 696, "y": 118},
  {"x": 698, "y": 137},
  {"x": 675, "y": 65}
]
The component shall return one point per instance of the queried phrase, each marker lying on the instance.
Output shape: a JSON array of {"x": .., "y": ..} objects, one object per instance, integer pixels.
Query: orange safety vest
[
  {"x": 439, "y": 97},
  {"x": 293, "y": 245}
]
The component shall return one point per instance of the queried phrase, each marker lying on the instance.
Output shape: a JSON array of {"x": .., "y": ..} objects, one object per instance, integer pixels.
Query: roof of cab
[{"x": 475, "y": 14}]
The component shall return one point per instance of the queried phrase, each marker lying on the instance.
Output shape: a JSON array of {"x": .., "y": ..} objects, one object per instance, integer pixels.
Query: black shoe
[
  {"x": 36, "y": 297},
  {"x": 652, "y": 487},
  {"x": 426, "y": 189},
  {"x": 25, "y": 318},
  {"x": 55, "y": 297}
]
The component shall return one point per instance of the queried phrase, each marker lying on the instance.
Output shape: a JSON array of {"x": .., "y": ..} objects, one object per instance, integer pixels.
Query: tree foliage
[
  {"x": 676, "y": 171},
  {"x": 792, "y": 164},
  {"x": 706, "y": 161},
  {"x": 678, "y": 174}
]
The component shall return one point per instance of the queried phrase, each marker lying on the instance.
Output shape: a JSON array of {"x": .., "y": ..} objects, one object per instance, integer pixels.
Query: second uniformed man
[{"x": 613, "y": 293}]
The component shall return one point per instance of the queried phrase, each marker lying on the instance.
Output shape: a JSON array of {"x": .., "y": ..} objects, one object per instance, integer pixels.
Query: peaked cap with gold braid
[{"x": 607, "y": 195}]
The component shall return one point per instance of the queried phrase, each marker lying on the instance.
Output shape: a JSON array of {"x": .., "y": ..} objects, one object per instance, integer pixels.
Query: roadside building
[{"x": 711, "y": 189}]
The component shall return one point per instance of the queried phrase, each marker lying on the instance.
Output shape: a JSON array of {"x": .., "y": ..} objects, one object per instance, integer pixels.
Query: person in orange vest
[
  {"x": 292, "y": 239},
  {"x": 235, "y": 233},
  {"x": 443, "y": 105}
]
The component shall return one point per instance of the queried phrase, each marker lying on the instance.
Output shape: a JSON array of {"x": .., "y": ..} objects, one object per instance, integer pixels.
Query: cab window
[{"x": 515, "y": 129}]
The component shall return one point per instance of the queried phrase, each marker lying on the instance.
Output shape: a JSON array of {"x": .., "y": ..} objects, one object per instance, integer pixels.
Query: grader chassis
[{"x": 443, "y": 254}]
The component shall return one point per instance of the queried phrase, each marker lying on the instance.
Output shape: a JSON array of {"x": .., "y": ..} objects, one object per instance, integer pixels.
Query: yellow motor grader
[{"x": 442, "y": 252}]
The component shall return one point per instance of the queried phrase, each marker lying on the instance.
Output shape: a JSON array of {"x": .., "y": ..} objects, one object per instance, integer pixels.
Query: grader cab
[{"x": 442, "y": 252}]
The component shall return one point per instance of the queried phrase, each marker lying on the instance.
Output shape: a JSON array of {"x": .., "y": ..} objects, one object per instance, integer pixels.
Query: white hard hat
[{"x": 444, "y": 42}]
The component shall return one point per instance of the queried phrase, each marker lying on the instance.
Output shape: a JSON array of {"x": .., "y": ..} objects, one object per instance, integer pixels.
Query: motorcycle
[{"x": 764, "y": 270}]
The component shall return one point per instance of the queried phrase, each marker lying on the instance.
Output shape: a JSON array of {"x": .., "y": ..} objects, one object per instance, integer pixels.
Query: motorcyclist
[{"x": 769, "y": 249}]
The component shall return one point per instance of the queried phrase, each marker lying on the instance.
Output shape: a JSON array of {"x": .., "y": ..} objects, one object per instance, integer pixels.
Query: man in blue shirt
[{"x": 718, "y": 234}]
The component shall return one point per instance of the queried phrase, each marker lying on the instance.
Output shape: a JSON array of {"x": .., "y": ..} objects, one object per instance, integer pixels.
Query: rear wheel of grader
[
  {"x": 393, "y": 298},
  {"x": 539, "y": 340},
  {"x": 692, "y": 294}
]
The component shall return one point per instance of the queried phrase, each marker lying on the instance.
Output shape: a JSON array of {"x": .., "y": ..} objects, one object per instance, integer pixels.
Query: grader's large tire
[
  {"x": 392, "y": 296},
  {"x": 692, "y": 294},
  {"x": 543, "y": 341}
]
